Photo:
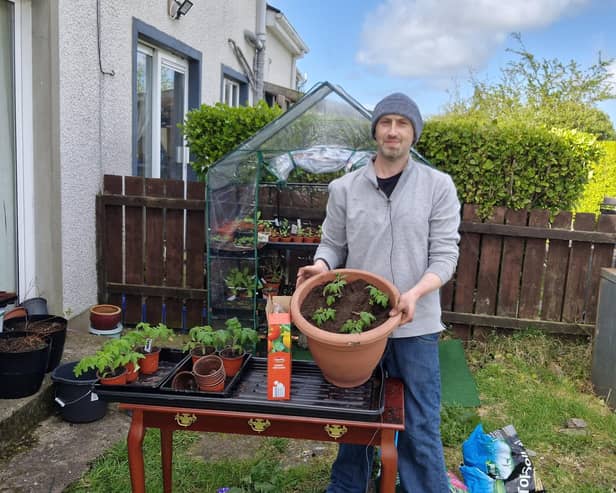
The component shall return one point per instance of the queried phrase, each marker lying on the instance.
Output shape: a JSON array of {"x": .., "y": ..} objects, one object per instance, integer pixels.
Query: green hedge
[
  {"x": 213, "y": 131},
  {"x": 512, "y": 165},
  {"x": 601, "y": 181}
]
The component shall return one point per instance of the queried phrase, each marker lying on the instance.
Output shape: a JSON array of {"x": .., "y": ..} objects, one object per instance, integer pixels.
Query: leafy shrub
[
  {"x": 213, "y": 131},
  {"x": 510, "y": 164},
  {"x": 601, "y": 181}
]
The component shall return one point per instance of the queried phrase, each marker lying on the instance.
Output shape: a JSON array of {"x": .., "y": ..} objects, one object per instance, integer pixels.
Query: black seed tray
[{"x": 311, "y": 395}]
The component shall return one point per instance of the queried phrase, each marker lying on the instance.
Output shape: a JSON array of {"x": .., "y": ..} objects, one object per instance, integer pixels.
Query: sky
[{"x": 429, "y": 48}]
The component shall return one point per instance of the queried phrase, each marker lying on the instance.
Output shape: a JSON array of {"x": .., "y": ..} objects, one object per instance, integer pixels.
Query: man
[{"x": 398, "y": 218}]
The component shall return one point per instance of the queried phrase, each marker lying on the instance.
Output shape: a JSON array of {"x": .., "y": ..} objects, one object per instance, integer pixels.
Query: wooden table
[{"x": 169, "y": 419}]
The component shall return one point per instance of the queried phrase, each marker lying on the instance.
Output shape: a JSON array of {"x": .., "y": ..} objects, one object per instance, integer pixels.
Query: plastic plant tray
[
  {"x": 311, "y": 395},
  {"x": 169, "y": 361},
  {"x": 230, "y": 382}
]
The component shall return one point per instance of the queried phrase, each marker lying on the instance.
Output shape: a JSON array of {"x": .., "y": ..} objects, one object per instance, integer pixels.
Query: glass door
[
  {"x": 162, "y": 88},
  {"x": 8, "y": 161}
]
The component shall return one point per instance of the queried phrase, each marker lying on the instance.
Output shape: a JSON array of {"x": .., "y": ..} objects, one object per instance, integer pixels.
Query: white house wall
[
  {"x": 279, "y": 64},
  {"x": 95, "y": 113}
]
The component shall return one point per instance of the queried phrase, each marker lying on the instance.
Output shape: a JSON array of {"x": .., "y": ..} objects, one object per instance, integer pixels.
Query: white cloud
[{"x": 415, "y": 38}]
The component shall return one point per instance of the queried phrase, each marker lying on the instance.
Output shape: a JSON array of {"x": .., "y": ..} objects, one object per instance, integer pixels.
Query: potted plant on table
[
  {"x": 204, "y": 340},
  {"x": 110, "y": 362},
  {"x": 144, "y": 339},
  {"x": 344, "y": 314},
  {"x": 238, "y": 341}
]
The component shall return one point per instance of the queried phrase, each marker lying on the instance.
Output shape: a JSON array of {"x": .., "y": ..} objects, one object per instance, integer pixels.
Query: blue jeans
[{"x": 421, "y": 463}]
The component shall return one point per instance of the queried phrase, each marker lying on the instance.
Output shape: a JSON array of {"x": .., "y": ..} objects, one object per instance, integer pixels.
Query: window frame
[
  {"x": 233, "y": 76},
  {"x": 163, "y": 58},
  {"x": 148, "y": 35}
]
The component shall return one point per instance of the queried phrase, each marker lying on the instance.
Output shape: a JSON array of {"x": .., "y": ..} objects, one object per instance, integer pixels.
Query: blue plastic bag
[{"x": 498, "y": 462}]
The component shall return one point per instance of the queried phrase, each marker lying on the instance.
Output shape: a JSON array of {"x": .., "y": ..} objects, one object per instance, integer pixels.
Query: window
[
  {"x": 234, "y": 87},
  {"x": 231, "y": 93},
  {"x": 162, "y": 85},
  {"x": 166, "y": 84}
]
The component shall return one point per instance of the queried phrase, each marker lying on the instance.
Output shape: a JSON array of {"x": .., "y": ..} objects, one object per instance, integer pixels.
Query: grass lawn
[{"x": 533, "y": 381}]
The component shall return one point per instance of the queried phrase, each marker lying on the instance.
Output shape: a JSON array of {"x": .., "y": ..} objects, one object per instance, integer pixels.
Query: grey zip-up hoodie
[{"x": 401, "y": 238}]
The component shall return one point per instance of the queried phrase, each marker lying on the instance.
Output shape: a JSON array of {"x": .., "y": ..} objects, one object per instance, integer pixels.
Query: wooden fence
[
  {"x": 520, "y": 269},
  {"x": 516, "y": 269},
  {"x": 150, "y": 249}
]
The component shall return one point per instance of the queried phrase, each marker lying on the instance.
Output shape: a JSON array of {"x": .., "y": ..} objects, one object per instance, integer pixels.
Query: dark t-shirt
[{"x": 388, "y": 184}]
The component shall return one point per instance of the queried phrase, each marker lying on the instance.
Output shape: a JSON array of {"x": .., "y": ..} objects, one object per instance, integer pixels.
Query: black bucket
[
  {"x": 45, "y": 325},
  {"x": 22, "y": 373},
  {"x": 75, "y": 395}
]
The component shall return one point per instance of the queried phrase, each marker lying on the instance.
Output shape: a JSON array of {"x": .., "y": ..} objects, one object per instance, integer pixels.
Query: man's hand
[
  {"x": 406, "y": 306},
  {"x": 310, "y": 270}
]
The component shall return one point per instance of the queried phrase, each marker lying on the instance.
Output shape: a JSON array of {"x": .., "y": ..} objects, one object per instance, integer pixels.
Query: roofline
[{"x": 280, "y": 26}]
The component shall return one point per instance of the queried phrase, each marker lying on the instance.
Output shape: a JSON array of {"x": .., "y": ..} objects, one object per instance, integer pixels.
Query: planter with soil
[
  {"x": 23, "y": 361},
  {"x": 44, "y": 326},
  {"x": 347, "y": 324}
]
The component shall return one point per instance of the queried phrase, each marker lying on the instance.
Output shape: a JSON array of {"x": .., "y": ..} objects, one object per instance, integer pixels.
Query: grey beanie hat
[{"x": 399, "y": 104}]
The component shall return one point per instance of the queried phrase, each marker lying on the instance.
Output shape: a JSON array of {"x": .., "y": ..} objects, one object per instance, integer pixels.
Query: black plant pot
[
  {"x": 46, "y": 326},
  {"x": 21, "y": 373}
]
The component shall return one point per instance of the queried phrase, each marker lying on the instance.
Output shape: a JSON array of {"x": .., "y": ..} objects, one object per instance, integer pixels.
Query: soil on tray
[
  {"x": 21, "y": 344},
  {"x": 355, "y": 299}
]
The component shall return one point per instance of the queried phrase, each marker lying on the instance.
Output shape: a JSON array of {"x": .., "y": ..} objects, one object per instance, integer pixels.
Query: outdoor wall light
[{"x": 178, "y": 8}]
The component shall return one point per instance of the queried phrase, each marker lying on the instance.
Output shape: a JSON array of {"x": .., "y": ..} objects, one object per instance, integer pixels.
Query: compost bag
[{"x": 497, "y": 462}]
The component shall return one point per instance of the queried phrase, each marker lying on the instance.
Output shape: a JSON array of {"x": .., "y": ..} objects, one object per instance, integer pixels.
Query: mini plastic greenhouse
[{"x": 266, "y": 199}]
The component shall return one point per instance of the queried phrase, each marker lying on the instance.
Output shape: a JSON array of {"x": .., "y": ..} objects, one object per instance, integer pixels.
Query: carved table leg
[{"x": 135, "y": 452}]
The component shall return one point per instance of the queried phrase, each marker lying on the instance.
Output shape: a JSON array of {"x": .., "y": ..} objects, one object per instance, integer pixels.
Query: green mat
[{"x": 457, "y": 383}]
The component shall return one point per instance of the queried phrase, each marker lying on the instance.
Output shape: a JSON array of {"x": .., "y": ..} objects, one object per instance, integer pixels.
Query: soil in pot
[
  {"x": 346, "y": 358},
  {"x": 23, "y": 360},
  {"x": 44, "y": 326},
  {"x": 356, "y": 299}
]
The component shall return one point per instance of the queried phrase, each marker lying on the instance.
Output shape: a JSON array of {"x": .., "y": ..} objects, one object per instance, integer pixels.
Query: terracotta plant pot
[
  {"x": 131, "y": 373},
  {"x": 346, "y": 360},
  {"x": 210, "y": 373},
  {"x": 17, "y": 312},
  {"x": 197, "y": 353},
  {"x": 119, "y": 378},
  {"x": 105, "y": 317},
  {"x": 184, "y": 380},
  {"x": 149, "y": 364},
  {"x": 231, "y": 362}
]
